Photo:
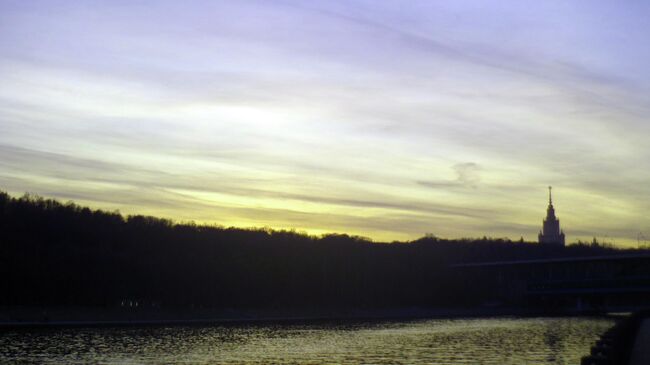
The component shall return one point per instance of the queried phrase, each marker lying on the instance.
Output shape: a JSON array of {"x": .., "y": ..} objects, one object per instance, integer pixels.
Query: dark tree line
[{"x": 55, "y": 254}]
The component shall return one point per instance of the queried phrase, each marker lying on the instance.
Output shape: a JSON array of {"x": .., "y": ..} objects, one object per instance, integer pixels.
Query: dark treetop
[{"x": 54, "y": 254}]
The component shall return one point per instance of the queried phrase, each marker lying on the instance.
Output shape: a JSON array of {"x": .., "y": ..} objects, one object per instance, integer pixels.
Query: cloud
[
  {"x": 381, "y": 119},
  {"x": 468, "y": 174}
]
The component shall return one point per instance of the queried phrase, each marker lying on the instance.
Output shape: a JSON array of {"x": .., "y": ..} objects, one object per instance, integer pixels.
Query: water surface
[{"x": 455, "y": 341}]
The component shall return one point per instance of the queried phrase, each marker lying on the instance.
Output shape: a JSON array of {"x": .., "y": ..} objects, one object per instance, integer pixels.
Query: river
[{"x": 437, "y": 341}]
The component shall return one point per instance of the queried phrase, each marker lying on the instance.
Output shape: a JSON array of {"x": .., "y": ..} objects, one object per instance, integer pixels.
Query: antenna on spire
[{"x": 550, "y": 199}]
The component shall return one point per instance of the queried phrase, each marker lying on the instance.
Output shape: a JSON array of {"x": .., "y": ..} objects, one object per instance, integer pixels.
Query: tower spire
[{"x": 551, "y": 232}]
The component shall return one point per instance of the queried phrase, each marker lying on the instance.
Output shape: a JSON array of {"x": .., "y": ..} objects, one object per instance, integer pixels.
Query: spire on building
[{"x": 551, "y": 233}]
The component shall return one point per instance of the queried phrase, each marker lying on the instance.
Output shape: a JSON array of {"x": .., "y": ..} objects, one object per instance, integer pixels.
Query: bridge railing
[{"x": 627, "y": 283}]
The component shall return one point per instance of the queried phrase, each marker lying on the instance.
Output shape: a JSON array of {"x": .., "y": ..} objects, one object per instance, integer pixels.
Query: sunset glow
[{"x": 385, "y": 119}]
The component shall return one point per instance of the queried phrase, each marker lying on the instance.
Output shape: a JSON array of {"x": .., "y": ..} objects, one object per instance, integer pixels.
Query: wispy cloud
[{"x": 381, "y": 119}]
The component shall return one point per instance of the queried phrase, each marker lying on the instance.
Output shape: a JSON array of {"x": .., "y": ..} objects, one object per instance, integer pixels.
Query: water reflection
[{"x": 459, "y": 341}]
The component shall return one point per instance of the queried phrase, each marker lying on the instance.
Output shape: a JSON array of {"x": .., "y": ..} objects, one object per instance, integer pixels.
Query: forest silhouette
[{"x": 62, "y": 254}]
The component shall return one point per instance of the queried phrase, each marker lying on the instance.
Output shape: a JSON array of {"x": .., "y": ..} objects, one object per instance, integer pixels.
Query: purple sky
[{"x": 383, "y": 119}]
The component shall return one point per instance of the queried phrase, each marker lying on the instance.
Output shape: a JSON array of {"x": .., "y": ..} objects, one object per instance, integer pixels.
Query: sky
[{"x": 384, "y": 119}]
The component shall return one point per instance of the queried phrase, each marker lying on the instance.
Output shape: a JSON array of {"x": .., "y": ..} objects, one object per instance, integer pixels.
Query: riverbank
[
  {"x": 623, "y": 344},
  {"x": 640, "y": 350},
  {"x": 87, "y": 316}
]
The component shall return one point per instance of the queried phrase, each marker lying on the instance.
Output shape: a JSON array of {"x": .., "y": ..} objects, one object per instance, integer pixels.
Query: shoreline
[{"x": 66, "y": 318}]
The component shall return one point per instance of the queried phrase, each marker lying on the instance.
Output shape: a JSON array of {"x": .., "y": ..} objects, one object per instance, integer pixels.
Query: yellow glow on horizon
[{"x": 301, "y": 127}]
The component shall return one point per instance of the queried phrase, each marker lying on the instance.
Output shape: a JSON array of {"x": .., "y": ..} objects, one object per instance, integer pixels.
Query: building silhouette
[{"x": 551, "y": 234}]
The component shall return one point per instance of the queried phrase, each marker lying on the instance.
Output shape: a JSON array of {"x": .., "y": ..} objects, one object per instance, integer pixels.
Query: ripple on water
[{"x": 457, "y": 341}]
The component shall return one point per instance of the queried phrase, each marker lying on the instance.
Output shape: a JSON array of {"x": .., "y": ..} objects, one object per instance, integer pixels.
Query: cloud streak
[{"x": 381, "y": 120}]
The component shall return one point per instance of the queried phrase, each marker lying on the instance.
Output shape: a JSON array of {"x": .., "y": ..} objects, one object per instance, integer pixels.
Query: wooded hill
[{"x": 56, "y": 254}]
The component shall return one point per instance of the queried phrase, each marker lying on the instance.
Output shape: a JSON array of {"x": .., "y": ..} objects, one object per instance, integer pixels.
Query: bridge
[{"x": 595, "y": 283}]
